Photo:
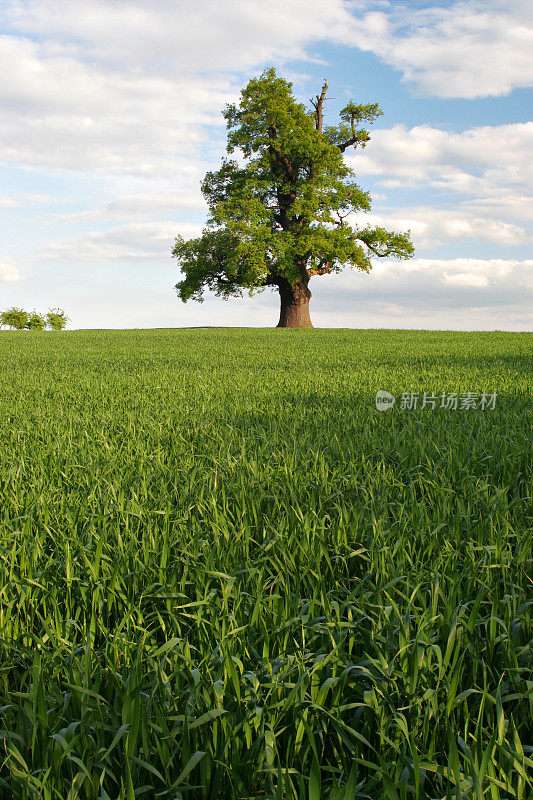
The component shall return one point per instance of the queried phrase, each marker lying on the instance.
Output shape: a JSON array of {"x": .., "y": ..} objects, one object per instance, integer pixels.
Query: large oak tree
[{"x": 278, "y": 218}]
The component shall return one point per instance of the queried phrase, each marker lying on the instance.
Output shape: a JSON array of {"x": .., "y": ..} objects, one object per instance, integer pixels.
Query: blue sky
[{"x": 111, "y": 115}]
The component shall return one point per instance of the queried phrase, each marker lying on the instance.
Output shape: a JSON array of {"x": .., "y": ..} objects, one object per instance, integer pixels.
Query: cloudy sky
[{"x": 111, "y": 115}]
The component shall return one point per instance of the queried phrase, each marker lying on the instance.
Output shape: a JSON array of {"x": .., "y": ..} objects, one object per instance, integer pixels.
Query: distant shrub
[
  {"x": 36, "y": 322},
  {"x": 56, "y": 319},
  {"x": 15, "y": 318}
]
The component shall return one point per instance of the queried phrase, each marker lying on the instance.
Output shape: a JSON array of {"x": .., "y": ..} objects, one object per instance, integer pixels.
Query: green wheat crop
[{"x": 225, "y": 574}]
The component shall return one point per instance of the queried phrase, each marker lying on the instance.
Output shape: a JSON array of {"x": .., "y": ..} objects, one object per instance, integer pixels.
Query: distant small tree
[
  {"x": 15, "y": 318},
  {"x": 56, "y": 319},
  {"x": 36, "y": 322}
]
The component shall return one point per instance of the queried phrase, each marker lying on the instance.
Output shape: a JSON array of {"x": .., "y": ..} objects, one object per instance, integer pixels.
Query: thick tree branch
[
  {"x": 355, "y": 139},
  {"x": 340, "y": 218},
  {"x": 344, "y": 146},
  {"x": 324, "y": 268}
]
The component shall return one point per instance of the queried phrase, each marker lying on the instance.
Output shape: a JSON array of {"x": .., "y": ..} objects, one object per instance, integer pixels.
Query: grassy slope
[{"x": 212, "y": 542}]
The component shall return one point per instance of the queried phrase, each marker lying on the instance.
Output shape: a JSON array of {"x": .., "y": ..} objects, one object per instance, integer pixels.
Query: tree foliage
[
  {"x": 56, "y": 319},
  {"x": 279, "y": 214}
]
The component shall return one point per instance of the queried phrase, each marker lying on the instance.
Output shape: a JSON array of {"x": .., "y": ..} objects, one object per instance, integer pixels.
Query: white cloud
[
  {"x": 520, "y": 207},
  {"x": 431, "y": 227},
  {"x": 24, "y": 200},
  {"x": 8, "y": 270},
  {"x": 141, "y": 206},
  {"x": 62, "y": 112},
  {"x": 149, "y": 241},
  {"x": 465, "y": 279},
  {"x": 481, "y": 160},
  {"x": 479, "y": 271},
  {"x": 174, "y": 37},
  {"x": 474, "y": 48},
  {"x": 9, "y": 202}
]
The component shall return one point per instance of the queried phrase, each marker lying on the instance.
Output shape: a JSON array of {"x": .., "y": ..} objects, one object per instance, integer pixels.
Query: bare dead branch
[{"x": 318, "y": 106}]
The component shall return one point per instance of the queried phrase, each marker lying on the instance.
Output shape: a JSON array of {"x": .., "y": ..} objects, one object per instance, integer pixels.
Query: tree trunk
[{"x": 294, "y": 312}]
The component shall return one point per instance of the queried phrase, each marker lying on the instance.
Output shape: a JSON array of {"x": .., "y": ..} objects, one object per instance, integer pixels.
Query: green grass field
[{"x": 225, "y": 574}]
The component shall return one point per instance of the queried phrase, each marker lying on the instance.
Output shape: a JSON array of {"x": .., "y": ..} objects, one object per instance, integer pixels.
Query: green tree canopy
[{"x": 278, "y": 217}]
